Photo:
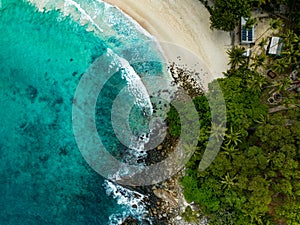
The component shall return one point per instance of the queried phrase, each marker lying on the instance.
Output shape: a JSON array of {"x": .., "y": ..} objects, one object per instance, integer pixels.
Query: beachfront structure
[
  {"x": 275, "y": 46},
  {"x": 247, "y": 34},
  {"x": 271, "y": 74}
]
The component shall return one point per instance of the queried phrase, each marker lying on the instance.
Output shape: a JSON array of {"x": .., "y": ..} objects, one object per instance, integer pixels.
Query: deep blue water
[{"x": 43, "y": 177}]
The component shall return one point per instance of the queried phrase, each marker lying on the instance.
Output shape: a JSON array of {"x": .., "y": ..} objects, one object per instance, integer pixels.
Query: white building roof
[{"x": 275, "y": 46}]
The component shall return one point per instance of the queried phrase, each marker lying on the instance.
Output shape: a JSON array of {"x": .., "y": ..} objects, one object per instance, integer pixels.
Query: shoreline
[
  {"x": 183, "y": 23},
  {"x": 186, "y": 24},
  {"x": 172, "y": 22}
]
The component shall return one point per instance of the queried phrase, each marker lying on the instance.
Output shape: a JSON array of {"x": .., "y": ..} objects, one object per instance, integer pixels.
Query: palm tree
[
  {"x": 233, "y": 137},
  {"x": 263, "y": 120},
  {"x": 292, "y": 55},
  {"x": 261, "y": 2},
  {"x": 282, "y": 85},
  {"x": 275, "y": 23},
  {"x": 252, "y": 85},
  {"x": 258, "y": 61},
  {"x": 280, "y": 66},
  {"x": 289, "y": 102},
  {"x": 229, "y": 150},
  {"x": 291, "y": 38},
  {"x": 261, "y": 81},
  {"x": 236, "y": 57},
  {"x": 217, "y": 131},
  {"x": 291, "y": 48},
  {"x": 256, "y": 83},
  {"x": 228, "y": 181}
]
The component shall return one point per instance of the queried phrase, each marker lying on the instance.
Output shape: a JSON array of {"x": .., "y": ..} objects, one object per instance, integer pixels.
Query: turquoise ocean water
[{"x": 44, "y": 179}]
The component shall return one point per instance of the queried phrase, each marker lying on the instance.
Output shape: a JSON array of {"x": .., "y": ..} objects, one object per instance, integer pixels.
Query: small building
[
  {"x": 247, "y": 34},
  {"x": 271, "y": 74},
  {"x": 275, "y": 46}
]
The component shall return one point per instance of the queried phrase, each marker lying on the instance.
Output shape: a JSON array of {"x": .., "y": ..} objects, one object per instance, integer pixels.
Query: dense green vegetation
[
  {"x": 255, "y": 178},
  {"x": 225, "y": 15}
]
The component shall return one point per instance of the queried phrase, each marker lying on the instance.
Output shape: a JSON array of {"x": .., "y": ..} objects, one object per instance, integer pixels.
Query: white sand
[{"x": 182, "y": 22}]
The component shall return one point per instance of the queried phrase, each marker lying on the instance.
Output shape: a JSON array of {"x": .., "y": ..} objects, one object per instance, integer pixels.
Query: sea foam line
[
  {"x": 133, "y": 21},
  {"x": 138, "y": 27},
  {"x": 85, "y": 15},
  {"x": 63, "y": 7},
  {"x": 133, "y": 203}
]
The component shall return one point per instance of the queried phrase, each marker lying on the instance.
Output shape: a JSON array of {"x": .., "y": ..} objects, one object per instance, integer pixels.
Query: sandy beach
[{"x": 185, "y": 23}]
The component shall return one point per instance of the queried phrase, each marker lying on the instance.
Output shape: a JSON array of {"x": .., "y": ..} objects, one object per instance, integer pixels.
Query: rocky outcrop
[
  {"x": 166, "y": 196},
  {"x": 165, "y": 200},
  {"x": 130, "y": 221}
]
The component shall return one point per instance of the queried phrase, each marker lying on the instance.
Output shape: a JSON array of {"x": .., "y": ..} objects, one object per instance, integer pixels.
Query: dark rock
[{"x": 130, "y": 221}]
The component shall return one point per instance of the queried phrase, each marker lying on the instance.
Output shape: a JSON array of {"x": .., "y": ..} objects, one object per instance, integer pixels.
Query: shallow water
[{"x": 44, "y": 179}]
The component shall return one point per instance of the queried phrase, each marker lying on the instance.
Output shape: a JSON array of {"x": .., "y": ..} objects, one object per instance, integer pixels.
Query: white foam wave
[
  {"x": 134, "y": 22},
  {"x": 65, "y": 6},
  {"x": 98, "y": 18},
  {"x": 84, "y": 14},
  {"x": 141, "y": 96},
  {"x": 138, "y": 27},
  {"x": 133, "y": 203},
  {"x": 135, "y": 85}
]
